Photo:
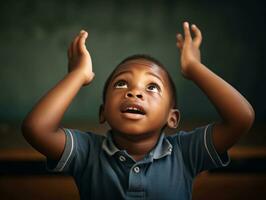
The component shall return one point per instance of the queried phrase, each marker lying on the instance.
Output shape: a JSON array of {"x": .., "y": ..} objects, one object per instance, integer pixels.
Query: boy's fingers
[
  {"x": 69, "y": 51},
  {"x": 81, "y": 43},
  {"x": 179, "y": 41},
  {"x": 187, "y": 32},
  {"x": 74, "y": 45},
  {"x": 198, "y": 37}
]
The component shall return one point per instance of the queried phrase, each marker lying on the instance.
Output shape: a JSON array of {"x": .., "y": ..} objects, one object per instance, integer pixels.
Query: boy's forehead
[{"x": 141, "y": 64}]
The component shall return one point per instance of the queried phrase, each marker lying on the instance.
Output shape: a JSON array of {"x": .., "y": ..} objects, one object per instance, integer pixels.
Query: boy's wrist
[
  {"x": 191, "y": 70},
  {"x": 198, "y": 72},
  {"x": 81, "y": 76}
]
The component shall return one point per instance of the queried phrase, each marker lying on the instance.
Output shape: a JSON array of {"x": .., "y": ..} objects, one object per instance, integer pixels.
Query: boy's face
[{"x": 138, "y": 98}]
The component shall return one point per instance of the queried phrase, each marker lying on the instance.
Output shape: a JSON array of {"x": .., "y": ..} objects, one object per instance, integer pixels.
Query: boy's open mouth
[{"x": 133, "y": 108}]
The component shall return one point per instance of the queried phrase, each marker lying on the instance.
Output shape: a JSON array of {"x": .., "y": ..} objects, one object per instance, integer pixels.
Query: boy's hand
[
  {"x": 79, "y": 58},
  {"x": 189, "y": 49}
]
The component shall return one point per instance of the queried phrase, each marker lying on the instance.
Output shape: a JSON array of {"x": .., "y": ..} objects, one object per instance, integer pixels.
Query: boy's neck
[{"x": 136, "y": 146}]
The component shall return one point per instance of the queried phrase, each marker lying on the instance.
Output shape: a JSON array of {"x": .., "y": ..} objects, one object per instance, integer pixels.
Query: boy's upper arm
[
  {"x": 50, "y": 144},
  {"x": 55, "y": 144},
  {"x": 225, "y": 136}
]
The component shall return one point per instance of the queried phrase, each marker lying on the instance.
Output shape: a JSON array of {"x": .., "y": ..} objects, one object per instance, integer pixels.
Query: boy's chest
[{"x": 160, "y": 179}]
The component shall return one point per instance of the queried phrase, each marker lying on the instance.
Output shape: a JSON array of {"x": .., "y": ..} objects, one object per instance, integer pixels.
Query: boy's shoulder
[
  {"x": 186, "y": 138},
  {"x": 83, "y": 133},
  {"x": 81, "y": 136},
  {"x": 187, "y": 133}
]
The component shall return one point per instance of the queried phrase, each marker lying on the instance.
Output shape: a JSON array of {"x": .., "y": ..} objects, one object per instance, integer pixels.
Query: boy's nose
[{"x": 134, "y": 94}]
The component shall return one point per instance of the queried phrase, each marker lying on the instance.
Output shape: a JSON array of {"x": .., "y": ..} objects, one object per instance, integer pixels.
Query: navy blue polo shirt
[{"x": 102, "y": 171}]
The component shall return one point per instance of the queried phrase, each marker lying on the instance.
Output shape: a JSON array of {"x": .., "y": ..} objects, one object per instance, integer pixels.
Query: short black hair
[{"x": 151, "y": 59}]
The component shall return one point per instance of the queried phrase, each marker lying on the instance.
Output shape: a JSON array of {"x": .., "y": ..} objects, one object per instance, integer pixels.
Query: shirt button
[
  {"x": 136, "y": 169},
  {"x": 170, "y": 149},
  {"x": 122, "y": 158}
]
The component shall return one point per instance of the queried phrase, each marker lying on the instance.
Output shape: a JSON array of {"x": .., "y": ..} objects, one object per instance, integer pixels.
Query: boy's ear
[
  {"x": 173, "y": 119},
  {"x": 101, "y": 115}
]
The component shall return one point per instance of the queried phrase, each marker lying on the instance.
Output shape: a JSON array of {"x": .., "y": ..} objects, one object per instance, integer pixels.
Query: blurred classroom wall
[{"x": 34, "y": 38}]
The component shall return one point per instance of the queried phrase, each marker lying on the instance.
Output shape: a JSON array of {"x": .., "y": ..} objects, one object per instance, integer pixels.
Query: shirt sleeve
[
  {"x": 198, "y": 151},
  {"x": 75, "y": 154}
]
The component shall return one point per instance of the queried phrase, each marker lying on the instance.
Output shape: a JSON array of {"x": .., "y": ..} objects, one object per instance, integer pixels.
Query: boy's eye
[
  {"x": 120, "y": 84},
  {"x": 153, "y": 87}
]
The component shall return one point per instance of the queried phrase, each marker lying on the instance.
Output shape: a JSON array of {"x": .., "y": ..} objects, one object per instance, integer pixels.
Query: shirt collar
[
  {"x": 108, "y": 145},
  {"x": 162, "y": 148}
]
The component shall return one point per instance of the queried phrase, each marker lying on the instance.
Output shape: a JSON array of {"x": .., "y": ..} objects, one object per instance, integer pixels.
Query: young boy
[{"x": 136, "y": 160}]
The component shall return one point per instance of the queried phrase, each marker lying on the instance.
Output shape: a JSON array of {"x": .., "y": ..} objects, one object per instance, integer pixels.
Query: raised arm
[
  {"x": 41, "y": 127},
  {"x": 237, "y": 115}
]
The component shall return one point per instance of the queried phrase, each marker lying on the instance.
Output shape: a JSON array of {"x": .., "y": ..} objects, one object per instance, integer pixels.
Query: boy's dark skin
[
  {"x": 142, "y": 85},
  {"x": 138, "y": 133}
]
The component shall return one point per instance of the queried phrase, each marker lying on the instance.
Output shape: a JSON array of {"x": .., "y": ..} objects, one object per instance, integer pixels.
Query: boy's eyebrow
[
  {"x": 150, "y": 73},
  {"x": 156, "y": 76},
  {"x": 122, "y": 72}
]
